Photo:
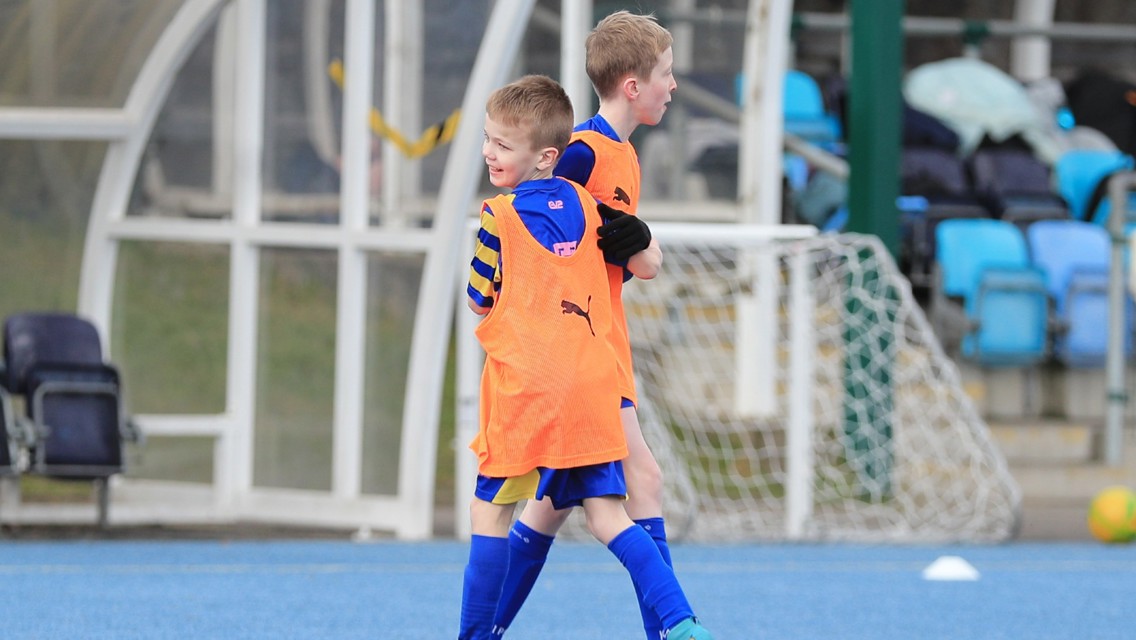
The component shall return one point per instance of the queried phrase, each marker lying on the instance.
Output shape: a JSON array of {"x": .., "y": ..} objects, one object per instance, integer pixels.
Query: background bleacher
[{"x": 1003, "y": 214}]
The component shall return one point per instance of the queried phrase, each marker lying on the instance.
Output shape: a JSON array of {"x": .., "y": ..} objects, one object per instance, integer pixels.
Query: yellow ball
[{"x": 1112, "y": 515}]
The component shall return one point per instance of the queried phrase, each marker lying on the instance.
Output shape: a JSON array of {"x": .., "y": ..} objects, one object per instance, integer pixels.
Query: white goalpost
[{"x": 792, "y": 389}]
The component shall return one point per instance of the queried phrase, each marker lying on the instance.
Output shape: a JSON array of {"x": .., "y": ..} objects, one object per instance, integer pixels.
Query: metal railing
[{"x": 1119, "y": 186}]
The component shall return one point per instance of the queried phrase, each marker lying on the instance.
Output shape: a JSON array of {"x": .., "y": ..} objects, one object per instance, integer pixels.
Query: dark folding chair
[
  {"x": 934, "y": 188},
  {"x": 1016, "y": 186},
  {"x": 72, "y": 399}
]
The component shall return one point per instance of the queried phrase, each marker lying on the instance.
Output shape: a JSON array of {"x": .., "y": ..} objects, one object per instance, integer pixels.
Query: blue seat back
[
  {"x": 1075, "y": 257},
  {"x": 965, "y": 247},
  {"x": 1062, "y": 247},
  {"x": 1078, "y": 172},
  {"x": 932, "y": 171},
  {"x": 802, "y": 97},
  {"x": 803, "y": 109},
  {"x": 1006, "y": 171},
  {"x": 55, "y": 338}
]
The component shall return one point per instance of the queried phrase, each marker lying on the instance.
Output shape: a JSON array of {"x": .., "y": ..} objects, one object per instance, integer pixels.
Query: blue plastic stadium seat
[
  {"x": 1012, "y": 317},
  {"x": 985, "y": 263},
  {"x": 804, "y": 112},
  {"x": 1084, "y": 343},
  {"x": 1078, "y": 173},
  {"x": 1065, "y": 248},
  {"x": 1075, "y": 257}
]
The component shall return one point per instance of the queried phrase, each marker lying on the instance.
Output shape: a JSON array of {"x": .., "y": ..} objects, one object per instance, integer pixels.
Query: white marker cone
[{"x": 950, "y": 568}]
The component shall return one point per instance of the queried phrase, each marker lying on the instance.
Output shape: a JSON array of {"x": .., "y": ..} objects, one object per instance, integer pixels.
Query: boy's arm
[
  {"x": 484, "y": 276},
  {"x": 646, "y": 264}
]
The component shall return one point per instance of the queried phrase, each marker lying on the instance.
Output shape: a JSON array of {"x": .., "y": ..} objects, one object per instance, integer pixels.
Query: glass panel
[
  {"x": 453, "y": 32},
  {"x": 177, "y": 176},
  {"x": 295, "y": 369},
  {"x": 301, "y": 152},
  {"x": 692, "y": 154},
  {"x": 392, "y": 298},
  {"x": 45, "y": 201},
  {"x": 76, "y": 53},
  {"x": 171, "y": 326},
  {"x": 184, "y": 459}
]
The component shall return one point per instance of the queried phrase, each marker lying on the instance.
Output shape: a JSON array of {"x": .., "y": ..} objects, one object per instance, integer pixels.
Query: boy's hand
[{"x": 623, "y": 235}]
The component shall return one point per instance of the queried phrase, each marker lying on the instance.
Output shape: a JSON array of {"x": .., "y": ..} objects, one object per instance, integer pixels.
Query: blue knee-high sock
[
  {"x": 658, "y": 532},
  {"x": 528, "y": 549},
  {"x": 651, "y": 575},
  {"x": 656, "y": 527},
  {"x": 488, "y": 562}
]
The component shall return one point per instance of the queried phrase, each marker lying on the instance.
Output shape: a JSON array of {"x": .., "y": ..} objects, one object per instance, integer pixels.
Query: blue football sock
[
  {"x": 488, "y": 562},
  {"x": 658, "y": 532},
  {"x": 528, "y": 550},
  {"x": 651, "y": 575}
]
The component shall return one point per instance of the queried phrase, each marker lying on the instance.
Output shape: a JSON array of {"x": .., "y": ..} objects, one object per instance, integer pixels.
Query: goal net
[{"x": 792, "y": 389}]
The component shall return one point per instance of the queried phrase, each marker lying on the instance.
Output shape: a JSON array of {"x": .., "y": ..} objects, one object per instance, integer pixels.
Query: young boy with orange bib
[
  {"x": 549, "y": 424},
  {"x": 629, "y": 61}
]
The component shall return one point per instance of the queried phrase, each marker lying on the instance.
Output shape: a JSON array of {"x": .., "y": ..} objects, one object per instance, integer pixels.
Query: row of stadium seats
[
  {"x": 1028, "y": 296},
  {"x": 1000, "y": 183},
  {"x": 73, "y": 426},
  {"x": 1005, "y": 183},
  {"x": 1027, "y": 252}
]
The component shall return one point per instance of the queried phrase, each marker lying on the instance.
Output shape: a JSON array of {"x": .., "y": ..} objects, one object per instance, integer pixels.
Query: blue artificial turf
[{"x": 344, "y": 590}]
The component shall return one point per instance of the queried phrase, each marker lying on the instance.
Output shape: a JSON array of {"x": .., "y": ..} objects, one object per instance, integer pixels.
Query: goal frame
[{"x": 758, "y": 367}]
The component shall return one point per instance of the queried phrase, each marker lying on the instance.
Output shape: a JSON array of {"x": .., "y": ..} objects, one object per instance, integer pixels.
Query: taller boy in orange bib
[
  {"x": 549, "y": 428},
  {"x": 629, "y": 61}
]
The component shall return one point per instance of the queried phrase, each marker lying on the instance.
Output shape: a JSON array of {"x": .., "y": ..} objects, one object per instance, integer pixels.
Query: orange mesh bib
[
  {"x": 615, "y": 182},
  {"x": 549, "y": 390}
]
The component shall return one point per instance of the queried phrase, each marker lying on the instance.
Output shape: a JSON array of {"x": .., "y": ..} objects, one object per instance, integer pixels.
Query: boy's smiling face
[
  {"x": 655, "y": 91},
  {"x": 510, "y": 156}
]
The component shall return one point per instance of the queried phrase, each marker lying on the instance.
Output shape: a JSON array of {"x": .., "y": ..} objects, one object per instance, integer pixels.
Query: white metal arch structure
[
  {"x": 765, "y": 60},
  {"x": 436, "y": 308},
  {"x": 408, "y": 513}
]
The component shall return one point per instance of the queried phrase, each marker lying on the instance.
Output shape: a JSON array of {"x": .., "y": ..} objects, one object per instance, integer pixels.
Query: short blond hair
[
  {"x": 537, "y": 103},
  {"x": 624, "y": 44}
]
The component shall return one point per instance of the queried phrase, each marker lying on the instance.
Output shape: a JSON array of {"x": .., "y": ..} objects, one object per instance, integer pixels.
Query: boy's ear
[
  {"x": 630, "y": 87},
  {"x": 548, "y": 158}
]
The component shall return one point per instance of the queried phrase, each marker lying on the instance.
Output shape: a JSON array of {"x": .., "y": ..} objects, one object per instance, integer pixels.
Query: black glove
[{"x": 623, "y": 235}]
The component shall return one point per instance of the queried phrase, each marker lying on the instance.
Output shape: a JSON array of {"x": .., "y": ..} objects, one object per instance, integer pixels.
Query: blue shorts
[{"x": 565, "y": 487}]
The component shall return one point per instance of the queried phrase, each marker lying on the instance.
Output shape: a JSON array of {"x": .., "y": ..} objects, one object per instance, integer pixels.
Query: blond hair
[
  {"x": 624, "y": 44},
  {"x": 537, "y": 103}
]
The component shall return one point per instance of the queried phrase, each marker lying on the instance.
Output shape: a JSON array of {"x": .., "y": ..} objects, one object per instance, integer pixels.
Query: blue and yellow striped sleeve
[{"x": 484, "y": 269}]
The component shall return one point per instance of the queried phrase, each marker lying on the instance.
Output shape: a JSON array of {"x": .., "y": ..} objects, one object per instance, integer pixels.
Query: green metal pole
[
  {"x": 875, "y": 118},
  {"x": 875, "y": 123}
]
